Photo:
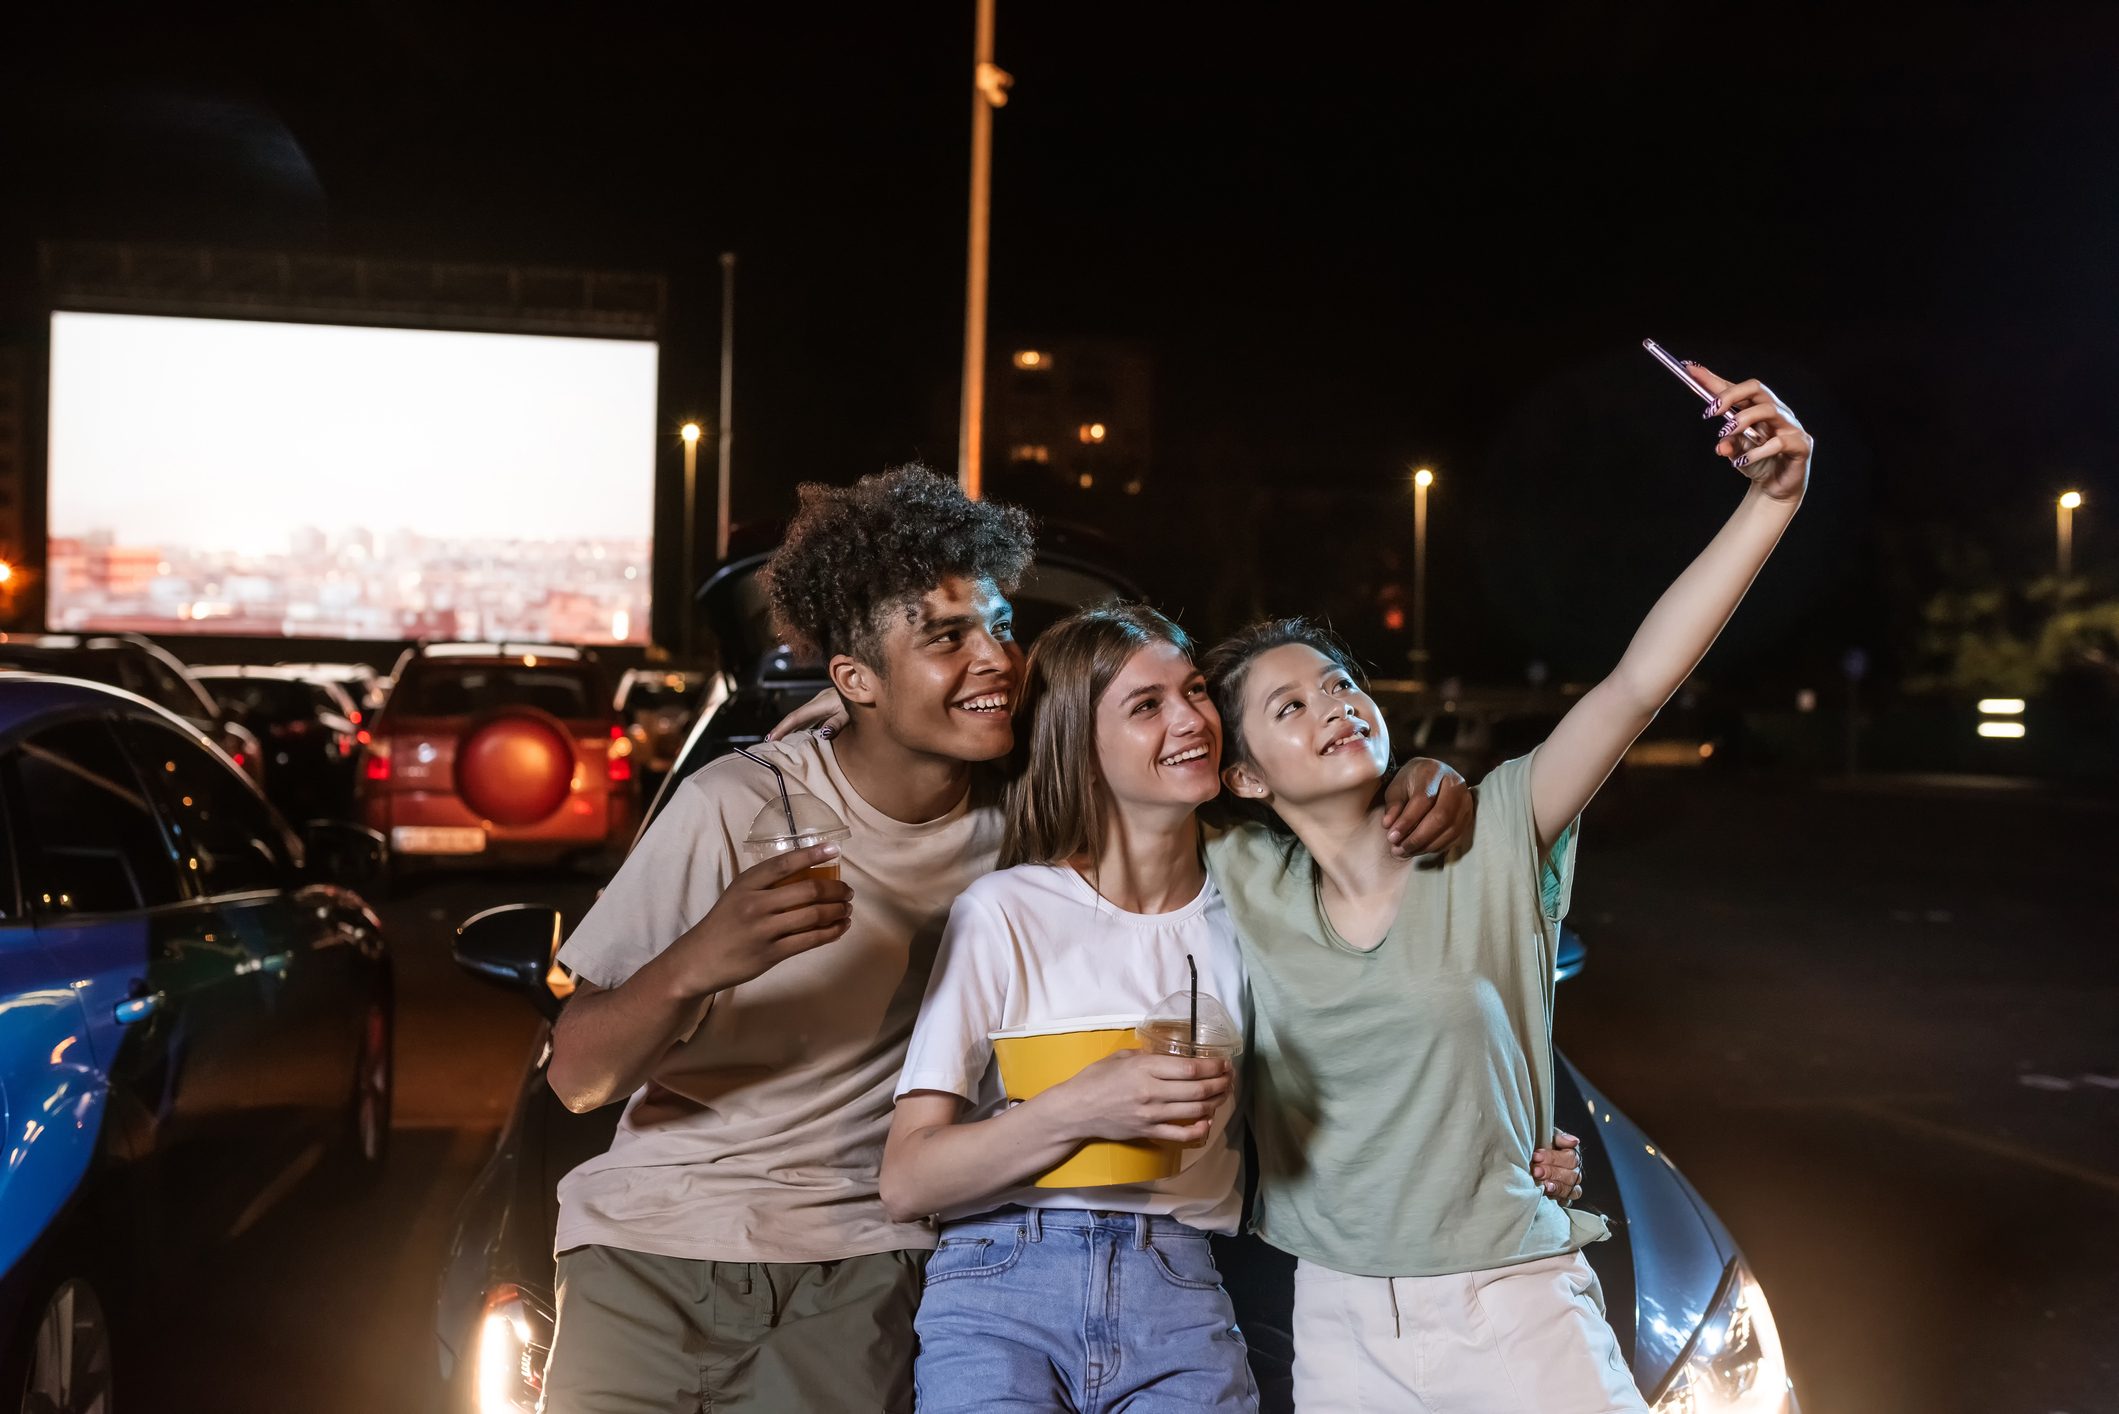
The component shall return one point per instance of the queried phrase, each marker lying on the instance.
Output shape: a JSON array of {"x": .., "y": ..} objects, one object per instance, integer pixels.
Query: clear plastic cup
[
  {"x": 815, "y": 823},
  {"x": 1169, "y": 1029}
]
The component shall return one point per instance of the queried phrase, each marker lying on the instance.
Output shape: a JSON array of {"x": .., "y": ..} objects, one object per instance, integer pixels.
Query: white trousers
[{"x": 1527, "y": 1339}]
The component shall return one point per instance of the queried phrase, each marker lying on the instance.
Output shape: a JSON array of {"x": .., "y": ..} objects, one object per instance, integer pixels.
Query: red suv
[{"x": 498, "y": 753}]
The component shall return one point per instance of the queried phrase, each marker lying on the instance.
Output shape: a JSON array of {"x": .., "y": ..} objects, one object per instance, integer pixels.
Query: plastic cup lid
[
  {"x": 812, "y": 817},
  {"x": 1216, "y": 1028}
]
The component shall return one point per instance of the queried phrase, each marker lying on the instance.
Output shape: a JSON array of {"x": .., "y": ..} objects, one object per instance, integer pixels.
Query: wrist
[
  {"x": 693, "y": 973},
  {"x": 1055, "y": 1115}
]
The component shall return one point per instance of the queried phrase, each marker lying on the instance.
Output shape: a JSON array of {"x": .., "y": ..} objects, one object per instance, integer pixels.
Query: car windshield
[
  {"x": 459, "y": 689},
  {"x": 649, "y": 696},
  {"x": 273, "y": 699}
]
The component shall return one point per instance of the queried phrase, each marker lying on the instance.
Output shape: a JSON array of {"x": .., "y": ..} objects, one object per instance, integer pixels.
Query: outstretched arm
[{"x": 1590, "y": 739}]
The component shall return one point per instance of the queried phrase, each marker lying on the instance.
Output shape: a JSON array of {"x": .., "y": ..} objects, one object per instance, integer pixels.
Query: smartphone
[{"x": 1749, "y": 435}]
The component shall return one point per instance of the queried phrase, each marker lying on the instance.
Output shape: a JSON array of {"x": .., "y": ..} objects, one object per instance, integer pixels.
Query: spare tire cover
[{"x": 515, "y": 769}]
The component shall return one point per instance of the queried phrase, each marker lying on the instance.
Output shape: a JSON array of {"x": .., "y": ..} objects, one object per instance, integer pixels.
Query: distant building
[
  {"x": 1069, "y": 426},
  {"x": 124, "y": 571}
]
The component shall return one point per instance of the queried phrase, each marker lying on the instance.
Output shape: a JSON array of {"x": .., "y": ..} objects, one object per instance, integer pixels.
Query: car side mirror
[
  {"x": 338, "y": 852},
  {"x": 1571, "y": 957},
  {"x": 513, "y": 946}
]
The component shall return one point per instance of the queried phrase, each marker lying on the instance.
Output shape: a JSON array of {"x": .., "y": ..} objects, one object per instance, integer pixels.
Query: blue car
[{"x": 192, "y": 1015}]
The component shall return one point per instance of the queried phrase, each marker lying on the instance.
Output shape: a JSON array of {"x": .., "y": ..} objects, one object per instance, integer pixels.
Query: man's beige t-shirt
[{"x": 758, "y": 1139}]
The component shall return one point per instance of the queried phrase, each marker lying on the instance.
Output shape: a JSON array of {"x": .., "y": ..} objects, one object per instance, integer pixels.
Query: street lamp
[
  {"x": 690, "y": 432},
  {"x": 2064, "y": 517},
  {"x": 989, "y": 90},
  {"x": 1422, "y": 479}
]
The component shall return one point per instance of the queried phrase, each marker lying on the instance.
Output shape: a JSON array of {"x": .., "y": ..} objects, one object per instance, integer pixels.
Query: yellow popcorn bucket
[{"x": 1033, "y": 1059}]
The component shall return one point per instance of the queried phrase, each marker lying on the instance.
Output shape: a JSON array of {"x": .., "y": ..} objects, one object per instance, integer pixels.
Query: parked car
[
  {"x": 364, "y": 684},
  {"x": 192, "y": 997},
  {"x": 498, "y": 752},
  {"x": 310, "y": 732},
  {"x": 1689, "y": 1315},
  {"x": 657, "y": 706},
  {"x": 140, "y": 666}
]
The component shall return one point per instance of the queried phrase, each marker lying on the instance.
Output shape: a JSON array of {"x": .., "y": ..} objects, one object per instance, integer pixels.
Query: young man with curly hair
[{"x": 730, "y": 1250}]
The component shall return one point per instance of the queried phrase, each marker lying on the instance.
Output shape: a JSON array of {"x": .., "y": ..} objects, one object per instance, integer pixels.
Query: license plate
[{"x": 437, "y": 839}]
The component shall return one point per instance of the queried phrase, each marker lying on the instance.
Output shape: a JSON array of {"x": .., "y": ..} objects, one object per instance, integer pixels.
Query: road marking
[
  {"x": 1990, "y": 1145},
  {"x": 270, "y": 1195}
]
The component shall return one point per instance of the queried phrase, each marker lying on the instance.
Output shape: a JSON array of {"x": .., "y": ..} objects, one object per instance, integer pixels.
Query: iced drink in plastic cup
[
  {"x": 1173, "y": 1028},
  {"x": 815, "y": 823}
]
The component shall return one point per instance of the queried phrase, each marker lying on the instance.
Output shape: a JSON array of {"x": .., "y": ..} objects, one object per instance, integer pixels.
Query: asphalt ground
[{"x": 1877, "y": 1025}]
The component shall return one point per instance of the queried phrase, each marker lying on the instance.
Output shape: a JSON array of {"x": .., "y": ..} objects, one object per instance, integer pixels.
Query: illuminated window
[
  {"x": 1030, "y": 452},
  {"x": 1033, "y": 358},
  {"x": 1092, "y": 432}
]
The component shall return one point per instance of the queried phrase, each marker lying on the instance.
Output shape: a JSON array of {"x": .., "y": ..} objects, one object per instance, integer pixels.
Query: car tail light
[
  {"x": 618, "y": 757},
  {"x": 510, "y": 1347},
  {"x": 378, "y": 767}
]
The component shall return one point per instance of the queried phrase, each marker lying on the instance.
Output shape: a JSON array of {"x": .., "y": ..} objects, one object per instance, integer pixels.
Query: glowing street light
[
  {"x": 690, "y": 432},
  {"x": 2064, "y": 527},
  {"x": 1422, "y": 479}
]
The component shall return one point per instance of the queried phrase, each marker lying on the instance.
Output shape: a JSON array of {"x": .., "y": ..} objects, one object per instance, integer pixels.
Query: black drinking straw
[
  {"x": 1195, "y": 999},
  {"x": 787, "y": 807}
]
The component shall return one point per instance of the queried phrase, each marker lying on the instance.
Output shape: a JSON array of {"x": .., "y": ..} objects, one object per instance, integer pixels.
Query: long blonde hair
[{"x": 1055, "y": 804}]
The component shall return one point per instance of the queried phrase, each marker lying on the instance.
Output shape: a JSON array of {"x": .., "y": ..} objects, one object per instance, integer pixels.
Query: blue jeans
[{"x": 1095, "y": 1313}]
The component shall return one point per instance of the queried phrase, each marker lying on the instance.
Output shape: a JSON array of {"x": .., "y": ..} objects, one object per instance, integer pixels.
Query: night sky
[{"x": 1350, "y": 241}]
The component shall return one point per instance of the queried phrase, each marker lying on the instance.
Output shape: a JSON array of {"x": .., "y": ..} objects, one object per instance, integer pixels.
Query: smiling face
[
  {"x": 1309, "y": 731},
  {"x": 1158, "y": 737},
  {"x": 949, "y": 673}
]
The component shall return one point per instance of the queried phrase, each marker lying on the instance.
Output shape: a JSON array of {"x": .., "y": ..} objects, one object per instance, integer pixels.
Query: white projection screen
[{"x": 311, "y": 480}]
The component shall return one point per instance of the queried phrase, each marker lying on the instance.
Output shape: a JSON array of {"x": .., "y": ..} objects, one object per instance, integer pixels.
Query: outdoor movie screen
[{"x": 313, "y": 480}]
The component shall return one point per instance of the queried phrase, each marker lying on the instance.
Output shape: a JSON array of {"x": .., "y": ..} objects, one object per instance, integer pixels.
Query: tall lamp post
[
  {"x": 690, "y": 433},
  {"x": 1422, "y": 479},
  {"x": 2064, "y": 528},
  {"x": 728, "y": 397},
  {"x": 989, "y": 90}
]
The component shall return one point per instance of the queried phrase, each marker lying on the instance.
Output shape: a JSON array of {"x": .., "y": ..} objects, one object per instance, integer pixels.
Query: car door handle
[
  {"x": 138, "y": 1008},
  {"x": 276, "y": 963}
]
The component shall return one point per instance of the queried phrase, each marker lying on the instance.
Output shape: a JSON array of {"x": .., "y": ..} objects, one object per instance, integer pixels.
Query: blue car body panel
[
  {"x": 52, "y": 1075},
  {"x": 1679, "y": 1249}
]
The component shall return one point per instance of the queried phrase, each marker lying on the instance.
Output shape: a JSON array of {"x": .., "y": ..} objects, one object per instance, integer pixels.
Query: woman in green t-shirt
[{"x": 1401, "y": 1028}]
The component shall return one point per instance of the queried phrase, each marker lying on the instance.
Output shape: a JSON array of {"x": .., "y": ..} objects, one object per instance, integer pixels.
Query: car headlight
[
  {"x": 514, "y": 1341},
  {"x": 1734, "y": 1364}
]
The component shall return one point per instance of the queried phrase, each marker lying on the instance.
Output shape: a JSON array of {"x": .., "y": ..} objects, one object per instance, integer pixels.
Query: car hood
[{"x": 1678, "y": 1249}]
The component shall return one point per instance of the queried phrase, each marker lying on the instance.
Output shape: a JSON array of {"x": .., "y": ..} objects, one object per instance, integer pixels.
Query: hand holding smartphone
[{"x": 1750, "y": 435}]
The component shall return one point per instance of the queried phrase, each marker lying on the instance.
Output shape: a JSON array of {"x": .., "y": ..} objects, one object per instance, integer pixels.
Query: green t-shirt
[{"x": 1397, "y": 1093}]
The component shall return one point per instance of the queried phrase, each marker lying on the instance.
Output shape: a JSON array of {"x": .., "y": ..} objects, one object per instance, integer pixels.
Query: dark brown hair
[
  {"x": 1055, "y": 803},
  {"x": 1227, "y": 665},
  {"x": 855, "y": 554}
]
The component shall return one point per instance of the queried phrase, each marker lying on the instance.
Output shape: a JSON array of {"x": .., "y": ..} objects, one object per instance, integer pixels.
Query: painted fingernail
[
  {"x": 1712, "y": 408},
  {"x": 1742, "y": 462},
  {"x": 1689, "y": 362},
  {"x": 1548, "y": 1188}
]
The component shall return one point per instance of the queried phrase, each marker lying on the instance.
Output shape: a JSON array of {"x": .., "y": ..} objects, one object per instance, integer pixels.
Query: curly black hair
[{"x": 855, "y": 554}]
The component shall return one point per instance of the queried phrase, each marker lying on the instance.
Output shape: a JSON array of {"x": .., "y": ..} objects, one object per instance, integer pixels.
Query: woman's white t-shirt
[{"x": 1036, "y": 944}]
